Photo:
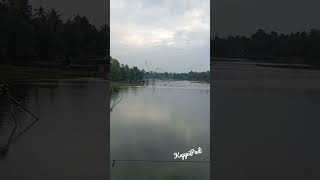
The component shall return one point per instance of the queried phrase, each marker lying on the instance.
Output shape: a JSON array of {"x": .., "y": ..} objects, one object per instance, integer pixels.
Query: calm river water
[
  {"x": 70, "y": 139},
  {"x": 153, "y": 122}
]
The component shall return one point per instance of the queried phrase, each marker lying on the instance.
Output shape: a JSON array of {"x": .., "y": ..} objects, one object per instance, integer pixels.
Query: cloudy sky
[
  {"x": 244, "y": 17},
  {"x": 97, "y": 11},
  {"x": 173, "y": 35}
]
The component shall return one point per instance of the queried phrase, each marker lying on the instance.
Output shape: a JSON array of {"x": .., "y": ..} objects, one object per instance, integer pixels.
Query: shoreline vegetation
[
  {"x": 299, "y": 49},
  {"x": 39, "y": 43},
  {"x": 36, "y": 43},
  {"x": 122, "y": 75}
]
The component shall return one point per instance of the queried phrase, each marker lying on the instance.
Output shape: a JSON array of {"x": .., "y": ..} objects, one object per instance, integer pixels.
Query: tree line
[
  {"x": 299, "y": 47},
  {"x": 190, "y": 76},
  {"x": 28, "y": 34},
  {"x": 122, "y": 72}
]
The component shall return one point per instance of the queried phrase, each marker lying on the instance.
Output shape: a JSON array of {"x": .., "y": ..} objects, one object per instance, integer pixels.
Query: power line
[{"x": 155, "y": 161}]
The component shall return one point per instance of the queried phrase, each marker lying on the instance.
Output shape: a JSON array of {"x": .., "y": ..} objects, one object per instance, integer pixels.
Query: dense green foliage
[
  {"x": 191, "y": 76},
  {"x": 300, "y": 47},
  {"x": 121, "y": 72},
  {"x": 28, "y": 34}
]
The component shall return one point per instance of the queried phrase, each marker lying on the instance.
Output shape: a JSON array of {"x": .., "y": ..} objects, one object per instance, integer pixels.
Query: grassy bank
[{"x": 10, "y": 72}]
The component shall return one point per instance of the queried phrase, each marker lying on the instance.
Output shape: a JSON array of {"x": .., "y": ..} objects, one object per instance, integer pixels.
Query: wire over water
[{"x": 155, "y": 161}]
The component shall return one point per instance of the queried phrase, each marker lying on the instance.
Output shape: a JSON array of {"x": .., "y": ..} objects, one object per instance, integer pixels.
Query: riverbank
[
  {"x": 121, "y": 84},
  {"x": 11, "y": 72},
  {"x": 266, "y": 63}
]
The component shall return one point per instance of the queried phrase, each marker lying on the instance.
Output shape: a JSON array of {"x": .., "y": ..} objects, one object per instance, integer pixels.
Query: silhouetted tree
[{"x": 41, "y": 35}]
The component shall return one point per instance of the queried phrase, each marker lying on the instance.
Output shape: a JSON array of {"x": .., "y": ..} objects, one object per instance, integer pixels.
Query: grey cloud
[
  {"x": 171, "y": 34},
  {"x": 232, "y": 17}
]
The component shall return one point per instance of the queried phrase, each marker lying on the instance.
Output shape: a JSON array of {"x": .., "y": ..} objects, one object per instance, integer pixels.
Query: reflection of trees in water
[
  {"x": 5, "y": 120},
  {"x": 4, "y": 109},
  {"x": 114, "y": 97}
]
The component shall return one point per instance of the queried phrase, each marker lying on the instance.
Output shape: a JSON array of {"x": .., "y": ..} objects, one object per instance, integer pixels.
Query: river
[
  {"x": 155, "y": 121},
  {"x": 266, "y": 122},
  {"x": 70, "y": 139}
]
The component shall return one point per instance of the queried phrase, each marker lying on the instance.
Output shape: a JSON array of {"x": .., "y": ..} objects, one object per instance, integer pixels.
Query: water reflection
[
  {"x": 12, "y": 126},
  {"x": 69, "y": 141},
  {"x": 153, "y": 122}
]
